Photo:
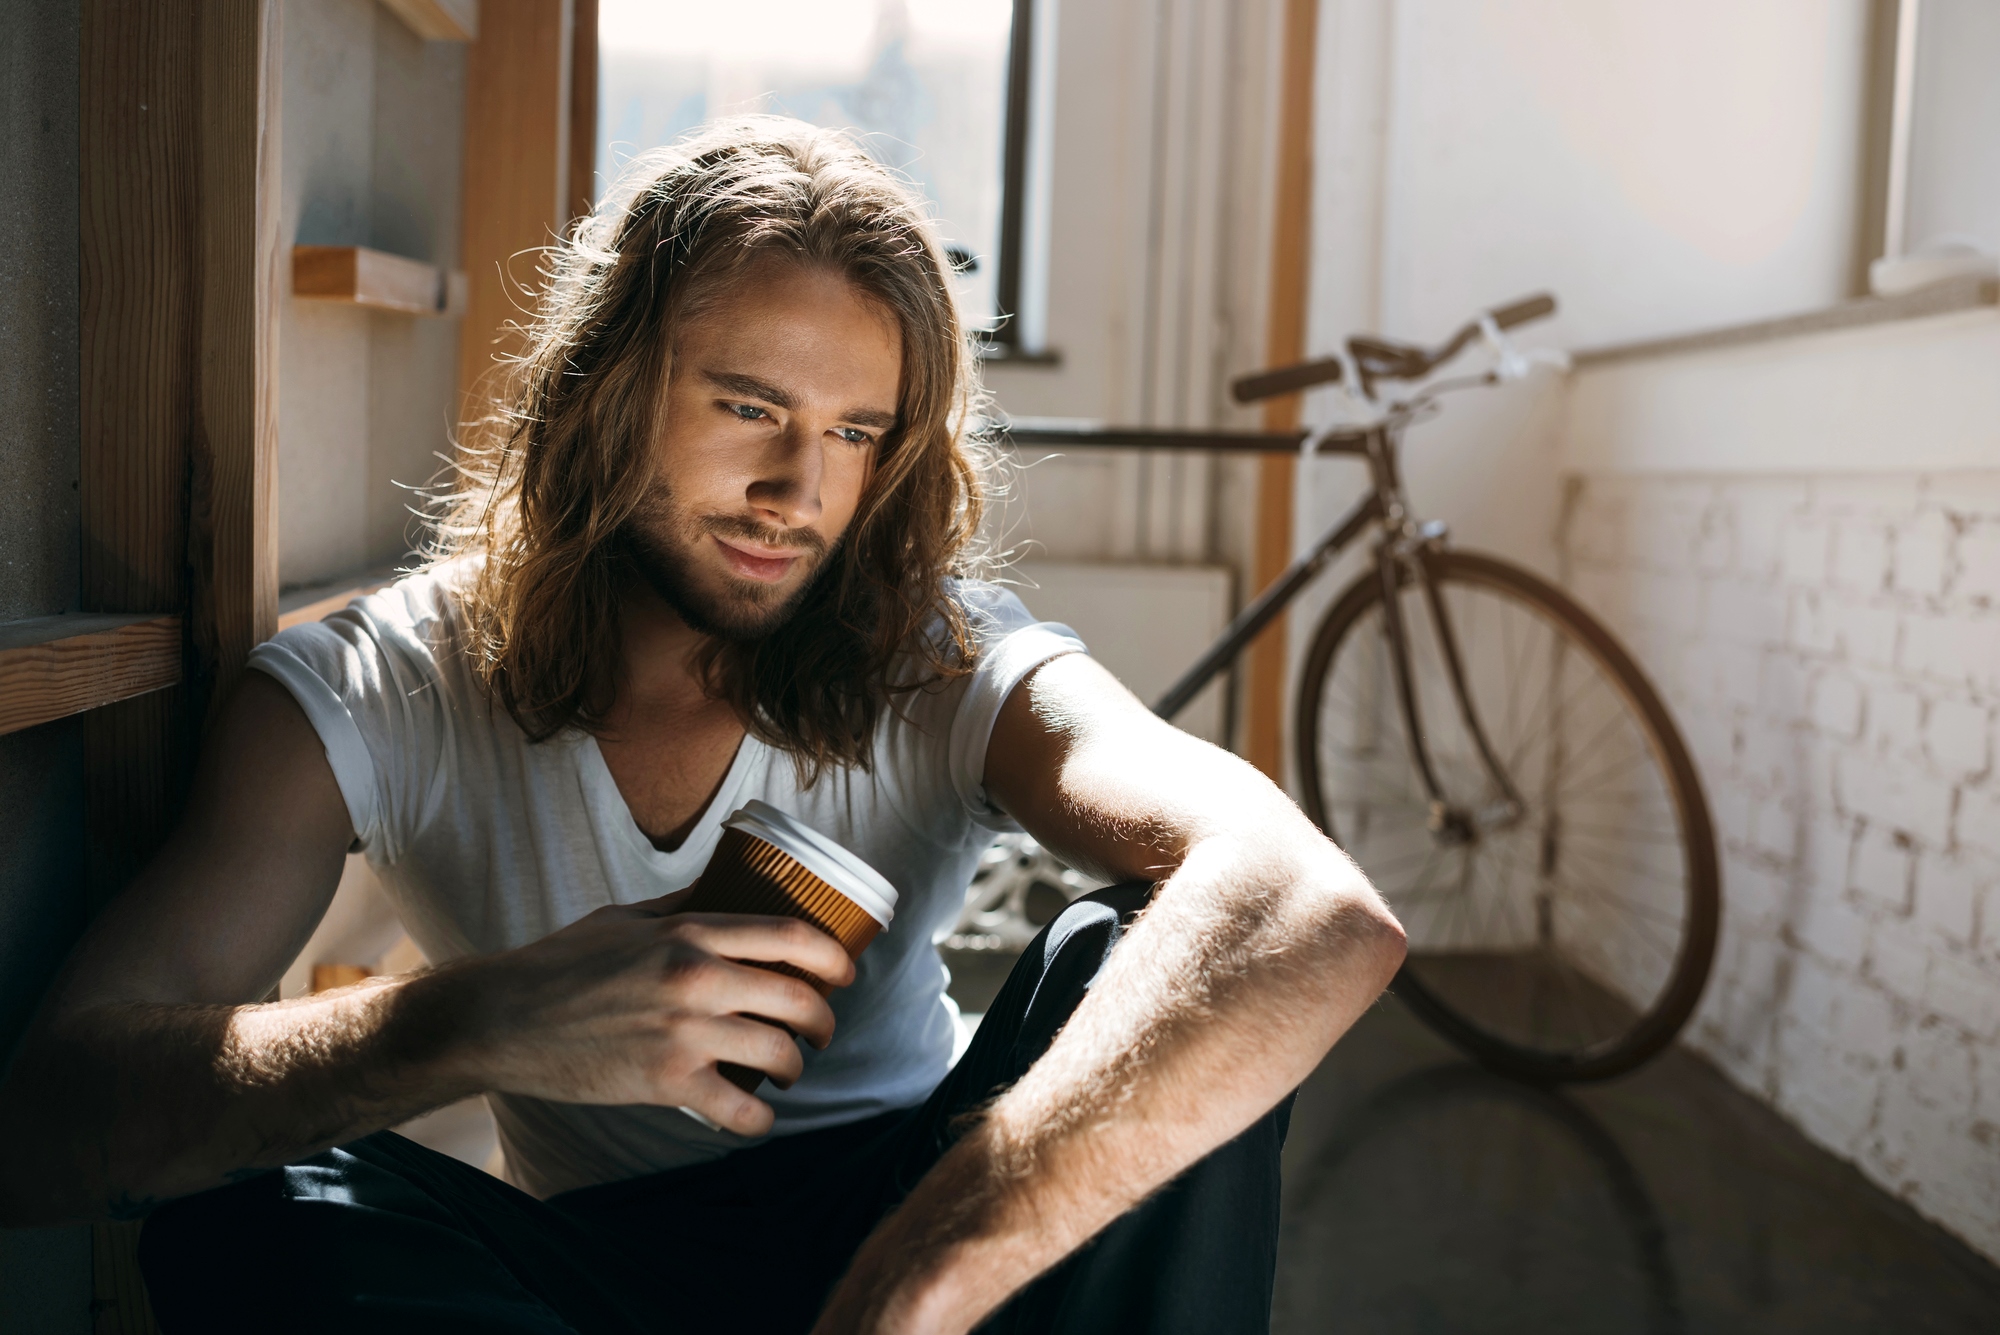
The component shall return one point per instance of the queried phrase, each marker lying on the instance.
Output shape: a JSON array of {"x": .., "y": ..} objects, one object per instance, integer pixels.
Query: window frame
[{"x": 1003, "y": 342}]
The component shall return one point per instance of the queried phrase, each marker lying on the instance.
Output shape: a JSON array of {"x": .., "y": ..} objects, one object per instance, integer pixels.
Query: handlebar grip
[
  {"x": 1524, "y": 310},
  {"x": 1285, "y": 380}
]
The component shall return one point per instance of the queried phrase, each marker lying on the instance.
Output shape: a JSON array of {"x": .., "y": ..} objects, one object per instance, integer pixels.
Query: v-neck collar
[{"x": 693, "y": 853}]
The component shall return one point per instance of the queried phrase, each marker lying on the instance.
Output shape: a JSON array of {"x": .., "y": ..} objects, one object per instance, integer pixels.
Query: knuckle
[
  {"x": 689, "y": 972},
  {"x": 805, "y": 936},
  {"x": 806, "y": 999}
]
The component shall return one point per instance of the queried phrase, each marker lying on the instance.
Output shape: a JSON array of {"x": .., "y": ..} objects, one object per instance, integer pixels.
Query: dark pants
[{"x": 384, "y": 1235}]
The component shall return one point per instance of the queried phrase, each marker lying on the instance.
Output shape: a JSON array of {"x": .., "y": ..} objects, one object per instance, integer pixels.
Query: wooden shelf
[
  {"x": 438, "y": 20},
  {"x": 52, "y": 667},
  {"x": 359, "y": 276},
  {"x": 1954, "y": 294}
]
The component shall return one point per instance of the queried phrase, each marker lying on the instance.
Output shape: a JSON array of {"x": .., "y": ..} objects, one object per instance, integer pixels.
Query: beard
[{"x": 662, "y": 542}]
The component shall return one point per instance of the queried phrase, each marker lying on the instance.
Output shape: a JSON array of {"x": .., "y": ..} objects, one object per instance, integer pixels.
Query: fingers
[
  {"x": 727, "y": 1106},
  {"x": 720, "y": 987},
  {"x": 742, "y": 936},
  {"x": 746, "y": 1042},
  {"x": 755, "y": 1044}
]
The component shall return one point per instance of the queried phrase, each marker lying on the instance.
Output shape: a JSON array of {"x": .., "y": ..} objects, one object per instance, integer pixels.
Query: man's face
[{"x": 781, "y": 392}]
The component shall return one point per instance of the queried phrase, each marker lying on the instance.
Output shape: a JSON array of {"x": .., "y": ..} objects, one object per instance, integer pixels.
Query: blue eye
[
  {"x": 748, "y": 412},
  {"x": 853, "y": 435}
]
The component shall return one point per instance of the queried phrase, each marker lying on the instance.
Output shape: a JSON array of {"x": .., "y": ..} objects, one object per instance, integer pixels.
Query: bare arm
[
  {"x": 149, "y": 1073},
  {"x": 1263, "y": 944}
]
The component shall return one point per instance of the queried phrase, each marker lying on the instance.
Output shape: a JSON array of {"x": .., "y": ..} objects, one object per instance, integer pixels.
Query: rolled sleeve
[
  {"x": 368, "y": 680},
  {"x": 1011, "y": 645},
  {"x": 346, "y": 751}
]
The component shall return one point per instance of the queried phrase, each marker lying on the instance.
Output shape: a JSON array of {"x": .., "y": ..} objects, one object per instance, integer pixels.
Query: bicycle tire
[{"x": 1655, "y": 1019}]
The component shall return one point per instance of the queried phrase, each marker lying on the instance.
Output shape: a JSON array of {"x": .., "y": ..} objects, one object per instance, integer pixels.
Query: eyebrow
[{"x": 750, "y": 387}]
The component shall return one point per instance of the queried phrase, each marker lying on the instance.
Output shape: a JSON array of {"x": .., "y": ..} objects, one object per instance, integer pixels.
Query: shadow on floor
[{"x": 1423, "y": 1194}]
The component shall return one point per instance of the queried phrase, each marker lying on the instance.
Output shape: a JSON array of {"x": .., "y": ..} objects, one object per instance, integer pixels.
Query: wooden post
[
  {"x": 583, "y": 187},
  {"x": 1284, "y": 342},
  {"x": 232, "y": 523},
  {"x": 178, "y": 253},
  {"x": 518, "y": 184}
]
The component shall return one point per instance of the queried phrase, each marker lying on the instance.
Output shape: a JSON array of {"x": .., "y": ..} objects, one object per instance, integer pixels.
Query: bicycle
[{"x": 1484, "y": 749}]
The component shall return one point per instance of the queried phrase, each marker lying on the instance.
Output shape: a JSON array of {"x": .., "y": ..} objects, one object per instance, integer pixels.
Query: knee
[
  {"x": 1125, "y": 898},
  {"x": 1073, "y": 949},
  {"x": 1082, "y": 935}
]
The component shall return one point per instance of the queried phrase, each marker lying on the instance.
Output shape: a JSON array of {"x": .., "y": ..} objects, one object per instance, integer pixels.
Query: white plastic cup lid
[{"x": 819, "y": 855}]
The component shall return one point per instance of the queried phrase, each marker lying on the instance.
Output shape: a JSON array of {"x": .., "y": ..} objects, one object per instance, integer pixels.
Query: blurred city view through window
[{"x": 924, "y": 82}]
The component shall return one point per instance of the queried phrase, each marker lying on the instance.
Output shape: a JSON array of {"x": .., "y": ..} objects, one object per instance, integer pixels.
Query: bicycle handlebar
[
  {"x": 1286, "y": 379},
  {"x": 1413, "y": 365},
  {"x": 1524, "y": 310}
]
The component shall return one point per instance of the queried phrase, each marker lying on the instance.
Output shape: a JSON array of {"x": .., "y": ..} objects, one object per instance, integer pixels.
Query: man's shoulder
[
  {"x": 415, "y": 619},
  {"x": 994, "y": 620},
  {"x": 992, "y": 610}
]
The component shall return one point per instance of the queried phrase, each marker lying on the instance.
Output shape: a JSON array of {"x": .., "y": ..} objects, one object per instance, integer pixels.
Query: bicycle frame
[{"x": 1401, "y": 555}]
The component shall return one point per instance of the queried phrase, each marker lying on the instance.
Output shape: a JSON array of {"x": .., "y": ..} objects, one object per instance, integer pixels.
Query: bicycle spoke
[{"x": 1587, "y": 780}]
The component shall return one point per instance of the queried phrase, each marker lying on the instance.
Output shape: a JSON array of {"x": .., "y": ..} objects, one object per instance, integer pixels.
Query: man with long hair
[{"x": 718, "y": 544}]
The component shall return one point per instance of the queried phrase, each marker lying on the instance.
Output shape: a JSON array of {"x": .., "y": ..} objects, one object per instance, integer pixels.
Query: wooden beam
[
  {"x": 139, "y": 257},
  {"x": 359, "y": 276},
  {"x": 179, "y": 269},
  {"x": 438, "y": 20},
  {"x": 517, "y": 177},
  {"x": 1284, "y": 343},
  {"x": 53, "y": 667},
  {"x": 232, "y": 523},
  {"x": 583, "y": 110}
]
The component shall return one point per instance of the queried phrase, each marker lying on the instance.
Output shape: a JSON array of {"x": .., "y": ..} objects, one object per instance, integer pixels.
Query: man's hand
[
  {"x": 147, "y": 1075},
  {"x": 637, "y": 1004}
]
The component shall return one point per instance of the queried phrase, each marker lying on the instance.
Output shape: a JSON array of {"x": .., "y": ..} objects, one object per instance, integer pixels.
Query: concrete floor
[{"x": 1423, "y": 1194}]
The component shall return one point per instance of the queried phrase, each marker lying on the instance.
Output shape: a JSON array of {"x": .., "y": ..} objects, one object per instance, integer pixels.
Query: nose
[{"x": 785, "y": 492}]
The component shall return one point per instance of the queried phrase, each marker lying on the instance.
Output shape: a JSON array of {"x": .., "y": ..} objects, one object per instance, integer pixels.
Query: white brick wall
[{"x": 1831, "y": 647}]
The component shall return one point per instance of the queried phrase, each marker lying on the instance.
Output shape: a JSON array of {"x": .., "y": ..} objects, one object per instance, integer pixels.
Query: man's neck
[
  {"x": 658, "y": 677},
  {"x": 667, "y": 741}
]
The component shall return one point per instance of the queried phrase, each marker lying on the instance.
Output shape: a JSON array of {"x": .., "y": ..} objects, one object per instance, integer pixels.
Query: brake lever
[{"x": 1509, "y": 362}]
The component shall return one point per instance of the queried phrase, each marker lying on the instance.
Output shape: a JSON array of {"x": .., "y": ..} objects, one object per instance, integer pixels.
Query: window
[
  {"x": 932, "y": 86},
  {"x": 1952, "y": 188}
]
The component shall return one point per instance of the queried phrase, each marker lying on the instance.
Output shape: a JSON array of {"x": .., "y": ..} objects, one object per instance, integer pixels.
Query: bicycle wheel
[{"x": 1571, "y": 940}]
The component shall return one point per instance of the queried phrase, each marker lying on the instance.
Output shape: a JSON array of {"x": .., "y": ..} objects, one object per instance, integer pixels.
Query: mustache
[{"x": 737, "y": 526}]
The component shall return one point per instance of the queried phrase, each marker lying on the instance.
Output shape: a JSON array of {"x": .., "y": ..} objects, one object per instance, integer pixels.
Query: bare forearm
[
  {"x": 1223, "y": 997},
  {"x": 116, "y": 1106}
]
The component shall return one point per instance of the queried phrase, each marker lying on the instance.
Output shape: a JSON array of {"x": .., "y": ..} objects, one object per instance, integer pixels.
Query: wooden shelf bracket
[
  {"x": 438, "y": 20},
  {"x": 376, "y": 279}
]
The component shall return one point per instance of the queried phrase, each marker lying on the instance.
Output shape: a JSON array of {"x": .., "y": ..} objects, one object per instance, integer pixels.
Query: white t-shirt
[{"x": 485, "y": 842}]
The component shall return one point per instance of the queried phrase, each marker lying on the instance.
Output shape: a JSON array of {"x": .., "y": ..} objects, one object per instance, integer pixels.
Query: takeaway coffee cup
[{"x": 770, "y": 863}]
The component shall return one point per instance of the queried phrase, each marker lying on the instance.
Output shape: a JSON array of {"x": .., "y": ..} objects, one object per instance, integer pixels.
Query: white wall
[
  {"x": 1829, "y": 638},
  {"x": 372, "y": 134}
]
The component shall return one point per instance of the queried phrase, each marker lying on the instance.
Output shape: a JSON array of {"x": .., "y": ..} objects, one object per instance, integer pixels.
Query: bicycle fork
[{"x": 1395, "y": 555}]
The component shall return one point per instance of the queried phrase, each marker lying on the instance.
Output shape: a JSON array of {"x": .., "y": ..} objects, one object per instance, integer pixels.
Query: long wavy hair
[{"x": 549, "y": 478}]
